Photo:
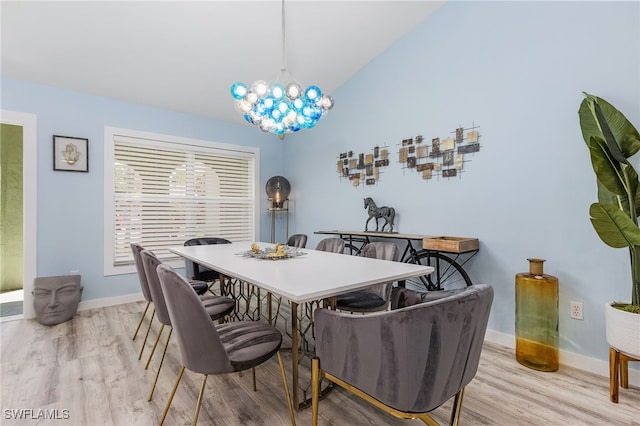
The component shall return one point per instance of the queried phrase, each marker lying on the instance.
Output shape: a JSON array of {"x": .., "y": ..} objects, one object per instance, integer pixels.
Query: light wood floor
[{"x": 89, "y": 367}]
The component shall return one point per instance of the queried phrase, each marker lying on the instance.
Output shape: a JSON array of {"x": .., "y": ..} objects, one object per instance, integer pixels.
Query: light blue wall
[
  {"x": 70, "y": 205},
  {"x": 517, "y": 70}
]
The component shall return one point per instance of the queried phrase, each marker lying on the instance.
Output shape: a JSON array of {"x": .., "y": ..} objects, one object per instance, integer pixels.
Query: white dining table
[{"x": 312, "y": 276}]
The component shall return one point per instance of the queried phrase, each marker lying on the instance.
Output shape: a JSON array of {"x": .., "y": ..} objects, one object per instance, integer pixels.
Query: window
[{"x": 162, "y": 190}]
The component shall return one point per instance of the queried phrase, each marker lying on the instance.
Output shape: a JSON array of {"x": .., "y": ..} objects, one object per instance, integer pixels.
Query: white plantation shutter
[{"x": 165, "y": 193}]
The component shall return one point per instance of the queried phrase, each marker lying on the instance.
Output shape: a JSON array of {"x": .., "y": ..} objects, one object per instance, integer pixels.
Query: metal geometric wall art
[
  {"x": 442, "y": 157},
  {"x": 438, "y": 157},
  {"x": 363, "y": 168}
]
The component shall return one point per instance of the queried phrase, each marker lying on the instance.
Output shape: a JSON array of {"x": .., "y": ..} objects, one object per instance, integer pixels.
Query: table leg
[
  {"x": 299, "y": 346},
  {"x": 333, "y": 301},
  {"x": 224, "y": 291},
  {"x": 294, "y": 354}
]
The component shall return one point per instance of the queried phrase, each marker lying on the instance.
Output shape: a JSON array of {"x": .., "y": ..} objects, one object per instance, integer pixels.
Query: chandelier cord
[{"x": 283, "y": 64}]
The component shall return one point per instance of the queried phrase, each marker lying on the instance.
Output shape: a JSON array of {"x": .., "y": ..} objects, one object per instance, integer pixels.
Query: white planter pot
[{"x": 623, "y": 330}]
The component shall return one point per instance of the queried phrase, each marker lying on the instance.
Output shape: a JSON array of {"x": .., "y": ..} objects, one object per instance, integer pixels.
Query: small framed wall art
[{"x": 70, "y": 154}]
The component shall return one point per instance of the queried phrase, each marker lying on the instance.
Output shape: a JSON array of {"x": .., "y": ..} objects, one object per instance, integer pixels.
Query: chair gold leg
[
  {"x": 144, "y": 314},
  {"x": 457, "y": 408},
  {"x": 286, "y": 390},
  {"x": 146, "y": 336},
  {"x": 199, "y": 403},
  {"x": 315, "y": 390},
  {"x": 153, "y": 349},
  {"x": 173, "y": 392},
  {"x": 155, "y": 382},
  {"x": 425, "y": 417}
]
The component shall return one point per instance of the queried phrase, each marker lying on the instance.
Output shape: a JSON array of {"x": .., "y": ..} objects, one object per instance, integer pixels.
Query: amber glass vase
[{"x": 537, "y": 318}]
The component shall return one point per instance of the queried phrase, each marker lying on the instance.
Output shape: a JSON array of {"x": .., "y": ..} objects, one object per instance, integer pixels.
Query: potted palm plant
[{"x": 612, "y": 140}]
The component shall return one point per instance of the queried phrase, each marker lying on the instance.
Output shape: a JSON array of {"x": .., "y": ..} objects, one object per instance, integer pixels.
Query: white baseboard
[
  {"x": 91, "y": 304},
  {"x": 500, "y": 338},
  {"x": 569, "y": 359},
  {"x": 110, "y": 301}
]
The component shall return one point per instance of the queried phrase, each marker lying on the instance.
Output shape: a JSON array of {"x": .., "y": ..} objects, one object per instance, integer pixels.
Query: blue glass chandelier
[{"x": 284, "y": 105}]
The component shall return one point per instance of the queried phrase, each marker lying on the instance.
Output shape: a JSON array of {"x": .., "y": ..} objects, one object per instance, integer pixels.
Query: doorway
[
  {"x": 11, "y": 211},
  {"x": 17, "y": 213}
]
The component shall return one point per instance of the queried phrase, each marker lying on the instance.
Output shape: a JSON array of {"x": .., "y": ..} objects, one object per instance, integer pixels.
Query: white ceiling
[{"x": 184, "y": 55}]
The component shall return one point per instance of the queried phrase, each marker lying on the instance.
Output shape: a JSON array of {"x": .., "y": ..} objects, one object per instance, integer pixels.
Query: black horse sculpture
[{"x": 386, "y": 213}]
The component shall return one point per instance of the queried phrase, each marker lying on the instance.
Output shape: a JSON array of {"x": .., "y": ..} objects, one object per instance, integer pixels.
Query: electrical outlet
[{"x": 575, "y": 310}]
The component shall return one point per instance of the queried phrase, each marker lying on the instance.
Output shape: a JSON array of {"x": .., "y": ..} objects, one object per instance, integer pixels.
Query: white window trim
[{"x": 109, "y": 135}]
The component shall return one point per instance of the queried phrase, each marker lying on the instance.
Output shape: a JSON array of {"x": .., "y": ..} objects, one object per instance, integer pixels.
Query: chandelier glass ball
[{"x": 278, "y": 108}]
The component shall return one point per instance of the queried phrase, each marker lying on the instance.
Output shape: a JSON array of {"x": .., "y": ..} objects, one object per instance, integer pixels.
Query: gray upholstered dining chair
[
  {"x": 217, "y": 307},
  {"x": 376, "y": 297},
  {"x": 198, "y": 286},
  {"x": 144, "y": 286},
  {"x": 297, "y": 240},
  {"x": 198, "y": 272},
  {"x": 333, "y": 245},
  {"x": 207, "y": 348},
  {"x": 407, "y": 361}
]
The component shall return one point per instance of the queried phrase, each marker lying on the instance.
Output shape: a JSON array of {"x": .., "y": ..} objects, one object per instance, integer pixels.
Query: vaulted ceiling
[{"x": 184, "y": 55}]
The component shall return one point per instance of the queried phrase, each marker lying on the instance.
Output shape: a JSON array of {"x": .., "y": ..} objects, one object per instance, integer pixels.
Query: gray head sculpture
[{"x": 55, "y": 299}]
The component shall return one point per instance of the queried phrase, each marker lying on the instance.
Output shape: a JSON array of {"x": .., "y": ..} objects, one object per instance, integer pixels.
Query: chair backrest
[
  {"x": 382, "y": 251},
  {"x": 142, "y": 276},
  {"x": 151, "y": 263},
  {"x": 199, "y": 272},
  {"x": 203, "y": 241},
  {"x": 201, "y": 350},
  {"x": 401, "y": 298},
  {"x": 334, "y": 245},
  {"x": 414, "y": 358},
  {"x": 297, "y": 240}
]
